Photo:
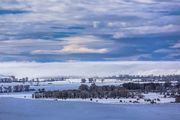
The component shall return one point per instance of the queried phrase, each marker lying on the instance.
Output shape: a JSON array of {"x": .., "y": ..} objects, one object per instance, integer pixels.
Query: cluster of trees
[
  {"x": 10, "y": 79},
  {"x": 150, "y": 87},
  {"x": 147, "y": 77},
  {"x": 144, "y": 87},
  {"x": 89, "y": 80},
  {"x": 110, "y": 91},
  {"x": 16, "y": 88},
  {"x": 86, "y": 91}
]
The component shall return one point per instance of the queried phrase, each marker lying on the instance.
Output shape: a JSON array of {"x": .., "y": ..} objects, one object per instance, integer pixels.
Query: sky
[
  {"x": 51, "y": 31},
  {"x": 89, "y": 30}
]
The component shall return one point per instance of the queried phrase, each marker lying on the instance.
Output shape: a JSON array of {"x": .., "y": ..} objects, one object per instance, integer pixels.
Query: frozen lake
[{"x": 23, "y": 109}]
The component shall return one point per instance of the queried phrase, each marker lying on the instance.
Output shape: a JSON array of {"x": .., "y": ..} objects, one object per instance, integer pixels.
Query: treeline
[
  {"x": 147, "y": 77},
  {"x": 15, "y": 88},
  {"x": 167, "y": 89},
  {"x": 86, "y": 91},
  {"x": 149, "y": 87},
  {"x": 110, "y": 91}
]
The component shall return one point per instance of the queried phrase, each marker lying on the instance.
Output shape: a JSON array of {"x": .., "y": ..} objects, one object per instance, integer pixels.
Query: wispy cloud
[
  {"x": 78, "y": 45},
  {"x": 25, "y": 46},
  {"x": 145, "y": 1},
  {"x": 177, "y": 45},
  {"x": 70, "y": 45},
  {"x": 145, "y": 30}
]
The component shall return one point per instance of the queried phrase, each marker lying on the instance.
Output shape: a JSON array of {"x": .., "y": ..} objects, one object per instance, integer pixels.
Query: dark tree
[{"x": 178, "y": 99}]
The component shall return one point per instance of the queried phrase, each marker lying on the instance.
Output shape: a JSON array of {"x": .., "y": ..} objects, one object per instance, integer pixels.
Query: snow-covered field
[
  {"x": 152, "y": 96},
  {"x": 117, "y": 101},
  {"x": 78, "y": 82},
  {"x": 24, "y": 95},
  {"x": 75, "y": 83}
]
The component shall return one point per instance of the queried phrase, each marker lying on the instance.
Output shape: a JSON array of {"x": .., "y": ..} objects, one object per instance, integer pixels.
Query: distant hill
[{"x": 4, "y": 76}]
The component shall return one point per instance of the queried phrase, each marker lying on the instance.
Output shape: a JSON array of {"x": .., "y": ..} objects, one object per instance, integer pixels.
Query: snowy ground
[
  {"x": 65, "y": 85},
  {"x": 117, "y": 101},
  {"x": 24, "y": 95},
  {"x": 74, "y": 84},
  {"x": 152, "y": 96},
  {"x": 78, "y": 81}
]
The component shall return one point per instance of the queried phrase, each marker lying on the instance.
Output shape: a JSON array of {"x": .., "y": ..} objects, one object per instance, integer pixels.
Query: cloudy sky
[
  {"x": 89, "y": 30},
  {"x": 46, "y": 31}
]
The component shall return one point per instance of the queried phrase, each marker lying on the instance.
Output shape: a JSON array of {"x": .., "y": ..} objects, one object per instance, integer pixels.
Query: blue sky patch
[{"x": 5, "y": 12}]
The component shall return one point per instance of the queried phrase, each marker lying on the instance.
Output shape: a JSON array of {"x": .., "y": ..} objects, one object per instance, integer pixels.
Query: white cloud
[
  {"x": 154, "y": 29},
  {"x": 143, "y": 30},
  {"x": 177, "y": 45},
  {"x": 26, "y": 45},
  {"x": 163, "y": 51},
  {"x": 78, "y": 45},
  {"x": 70, "y": 45},
  {"x": 33, "y": 69},
  {"x": 77, "y": 49},
  {"x": 119, "y": 35},
  {"x": 71, "y": 50},
  {"x": 145, "y": 1},
  {"x": 95, "y": 24}
]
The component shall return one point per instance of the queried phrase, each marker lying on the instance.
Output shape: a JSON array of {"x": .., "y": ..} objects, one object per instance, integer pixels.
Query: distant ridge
[{"x": 4, "y": 76}]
